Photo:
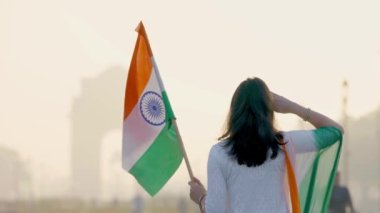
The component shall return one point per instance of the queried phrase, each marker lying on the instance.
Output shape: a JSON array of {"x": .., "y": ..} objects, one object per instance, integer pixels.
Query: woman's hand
[
  {"x": 197, "y": 190},
  {"x": 284, "y": 105}
]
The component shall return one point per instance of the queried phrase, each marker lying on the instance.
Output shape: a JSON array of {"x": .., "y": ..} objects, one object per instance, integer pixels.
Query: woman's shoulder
[
  {"x": 308, "y": 140},
  {"x": 296, "y": 134},
  {"x": 219, "y": 149},
  {"x": 326, "y": 132}
]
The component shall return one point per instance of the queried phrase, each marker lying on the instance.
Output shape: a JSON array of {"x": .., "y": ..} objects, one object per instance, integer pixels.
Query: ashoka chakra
[{"x": 152, "y": 108}]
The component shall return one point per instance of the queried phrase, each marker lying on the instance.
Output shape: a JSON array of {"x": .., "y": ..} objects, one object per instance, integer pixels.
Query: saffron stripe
[
  {"x": 139, "y": 74},
  {"x": 294, "y": 197}
]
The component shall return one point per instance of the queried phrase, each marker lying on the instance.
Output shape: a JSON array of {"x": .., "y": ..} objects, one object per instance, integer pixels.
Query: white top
[{"x": 234, "y": 188}]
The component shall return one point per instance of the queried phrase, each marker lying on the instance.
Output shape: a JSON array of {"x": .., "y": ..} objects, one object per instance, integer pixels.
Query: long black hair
[{"x": 249, "y": 129}]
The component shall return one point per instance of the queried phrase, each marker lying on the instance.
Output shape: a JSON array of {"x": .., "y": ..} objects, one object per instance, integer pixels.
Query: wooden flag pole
[
  {"x": 141, "y": 29},
  {"x": 183, "y": 149}
]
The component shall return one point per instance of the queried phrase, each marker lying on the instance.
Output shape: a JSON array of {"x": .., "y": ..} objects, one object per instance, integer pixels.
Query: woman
[{"x": 247, "y": 169}]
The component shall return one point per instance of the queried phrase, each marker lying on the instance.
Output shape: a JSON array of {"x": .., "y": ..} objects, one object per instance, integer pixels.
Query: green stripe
[
  {"x": 310, "y": 191},
  {"x": 316, "y": 186},
  {"x": 159, "y": 162},
  {"x": 331, "y": 180},
  {"x": 304, "y": 188},
  {"x": 326, "y": 136},
  {"x": 169, "y": 111}
]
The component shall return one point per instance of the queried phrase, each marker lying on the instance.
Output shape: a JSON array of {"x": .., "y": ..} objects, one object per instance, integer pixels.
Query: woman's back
[
  {"x": 246, "y": 172},
  {"x": 259, "y": 188},
  {"x": 240, "y": 189}
]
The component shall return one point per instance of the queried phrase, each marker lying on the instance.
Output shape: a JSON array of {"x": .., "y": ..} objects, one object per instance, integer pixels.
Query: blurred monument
[
  {"x": 365, "y": 160},
  {"x": 95, "y": 112}
]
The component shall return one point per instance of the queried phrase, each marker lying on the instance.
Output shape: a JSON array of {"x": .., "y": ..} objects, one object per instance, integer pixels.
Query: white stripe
[
  {"x": 138, "y": 134},
  {"x": 302, "y": 151},
  {"x": 160, "y": 83}
]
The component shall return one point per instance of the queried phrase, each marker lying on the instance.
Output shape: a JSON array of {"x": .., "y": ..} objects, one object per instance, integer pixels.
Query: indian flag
[
  {"x": 311, "y": 167},
  {"x": 151, "y": 150}
]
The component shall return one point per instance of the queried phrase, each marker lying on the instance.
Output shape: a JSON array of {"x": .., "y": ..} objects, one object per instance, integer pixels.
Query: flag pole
[
  {"x": 183, "y": 149},
  {"x": 141, "y": 30}
]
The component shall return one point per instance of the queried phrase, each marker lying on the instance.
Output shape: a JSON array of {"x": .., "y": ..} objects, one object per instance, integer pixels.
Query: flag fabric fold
[
  {"x": 151, "y": 151},
  {"x": 314, "y": 166}
]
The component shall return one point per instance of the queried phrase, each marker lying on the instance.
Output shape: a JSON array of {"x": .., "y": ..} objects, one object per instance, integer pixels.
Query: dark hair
[{"x": 249, "y": 131}]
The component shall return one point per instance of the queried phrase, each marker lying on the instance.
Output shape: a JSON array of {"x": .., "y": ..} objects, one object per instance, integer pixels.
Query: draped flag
[
  {"x": 151, "y": 149},
  {"x": 311, "y": 168}
]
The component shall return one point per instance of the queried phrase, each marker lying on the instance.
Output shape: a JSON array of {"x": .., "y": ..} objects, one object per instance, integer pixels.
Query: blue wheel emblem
[{"x": 152, "y": 108}]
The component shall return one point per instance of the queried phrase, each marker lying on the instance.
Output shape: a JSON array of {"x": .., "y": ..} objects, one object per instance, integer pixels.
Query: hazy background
[{"x": 64, "y": 63}]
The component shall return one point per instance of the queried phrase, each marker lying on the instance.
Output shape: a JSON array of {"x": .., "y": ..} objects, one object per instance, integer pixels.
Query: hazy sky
[{"x": 302, "y": 49}]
